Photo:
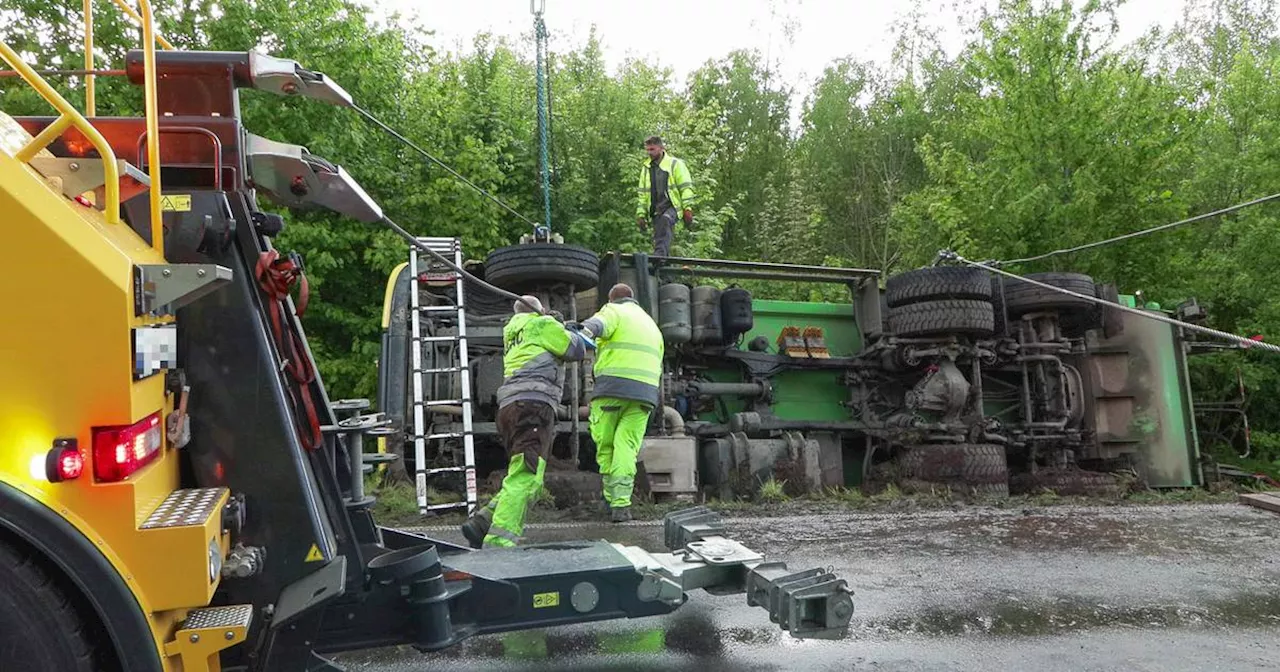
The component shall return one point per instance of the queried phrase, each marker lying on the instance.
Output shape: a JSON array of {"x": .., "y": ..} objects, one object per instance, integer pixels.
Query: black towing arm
[{"x": 433, "y": 595}]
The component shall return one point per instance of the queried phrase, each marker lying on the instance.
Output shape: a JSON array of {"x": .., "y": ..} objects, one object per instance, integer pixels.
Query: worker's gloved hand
[
  {"x": 640, "y": 222},
  {"x": 688, "y": 218},
  {"x": 572, "y": 326}
]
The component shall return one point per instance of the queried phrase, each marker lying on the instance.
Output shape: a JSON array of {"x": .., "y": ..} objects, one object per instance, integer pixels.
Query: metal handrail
[
  {"x": 152, "y": 111},
  {"x": 146, "y": 8},
  {"x": 90, "y": 80},
  {"x": 68, "y": 117}
]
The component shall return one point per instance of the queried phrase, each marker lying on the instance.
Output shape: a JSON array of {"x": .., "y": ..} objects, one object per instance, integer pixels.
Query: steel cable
[
  {"x": 421, "y": 246},
  {"x": 409, "y": 143},
  {"x": 1249, "y": 342},
  {"x": 1136, "y": 234}
]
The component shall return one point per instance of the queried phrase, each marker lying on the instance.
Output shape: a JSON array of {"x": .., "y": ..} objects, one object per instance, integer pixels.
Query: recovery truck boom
[{"x": 177, "y": 490}]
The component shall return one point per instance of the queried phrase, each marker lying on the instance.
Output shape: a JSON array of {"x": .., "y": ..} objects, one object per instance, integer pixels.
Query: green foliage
[
  {"x": 772, "y": 491},
  {"x": 1040, "y": 134}
]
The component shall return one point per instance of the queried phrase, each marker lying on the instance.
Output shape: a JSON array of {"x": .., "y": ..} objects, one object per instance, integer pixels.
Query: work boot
[
  {"x": 621, "y": 514},
  {"x": 477, "y": 526}
]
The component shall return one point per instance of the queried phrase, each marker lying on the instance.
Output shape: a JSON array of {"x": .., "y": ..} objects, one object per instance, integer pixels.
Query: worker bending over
[
  {"x": 665, "y": 188},
  {"x": 535, "y": 347},
  {"x": 628, "y": 370}
]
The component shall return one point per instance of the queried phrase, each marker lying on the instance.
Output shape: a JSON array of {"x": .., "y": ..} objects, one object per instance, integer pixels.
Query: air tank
[
  {"x": 673, "y": 313},
  {"x": 736, "y": 317},
  {"x": 706, "y": 315}
]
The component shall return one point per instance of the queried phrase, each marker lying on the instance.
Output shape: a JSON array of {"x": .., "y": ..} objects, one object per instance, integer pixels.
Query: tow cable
[
  {"x": 948, "y": 255},
  {"x": 993, "y": 267},
  {"x": 422, "y": 247}
]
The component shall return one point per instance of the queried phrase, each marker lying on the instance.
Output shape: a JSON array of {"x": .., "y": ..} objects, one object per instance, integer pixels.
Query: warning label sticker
[
  {"x": 176, "y": 203},
  {"x": 314, "y": 554},
  {"x": 544, "y": 600}
]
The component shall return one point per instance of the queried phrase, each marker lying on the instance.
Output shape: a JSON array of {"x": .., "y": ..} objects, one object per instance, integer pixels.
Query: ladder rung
[
  {"x": 439, "y": 402},
  {"x": 438, "y": 309},
  {"x": 446, "y": 435},
  {"x": 450, "y": 505},
  {"x": 438, "y": 339},
  {"x": 436, "y": 470},
  {"x": 449, "y": 369}
]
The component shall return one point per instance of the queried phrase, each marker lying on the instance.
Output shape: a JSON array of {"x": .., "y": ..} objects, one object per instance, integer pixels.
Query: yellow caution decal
[
  {"x": 176, "y": 203},
  {"x": 314, "y": 554},
  {"x": 541, "y": 600}
]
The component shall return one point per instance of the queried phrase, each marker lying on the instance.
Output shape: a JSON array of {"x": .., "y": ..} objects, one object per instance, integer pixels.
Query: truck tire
[
  {"x": 998, "y": 303},
  {"x": 40, "y": 626},
  {"x": 1072, "y": 482},
  {"x": 520, "y": 267},
  {"x": 1024, "y": 297},
  {"x": 938, "y": 282},
  {"x": 968, "y": 317},
  {"x": 975, "y": 468}
]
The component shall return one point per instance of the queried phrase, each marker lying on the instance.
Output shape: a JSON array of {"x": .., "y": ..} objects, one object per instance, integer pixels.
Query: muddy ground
[{"x": 1157, "y": 587}]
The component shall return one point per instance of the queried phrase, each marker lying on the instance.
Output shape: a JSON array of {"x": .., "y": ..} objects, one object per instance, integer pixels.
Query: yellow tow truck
[{"x": 177, "y": 491}]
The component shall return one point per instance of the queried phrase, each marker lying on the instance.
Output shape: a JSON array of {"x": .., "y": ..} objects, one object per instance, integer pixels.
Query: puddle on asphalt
[
  {"x": 696, "y": 637},
  {"x": 1023, "y": 619}
]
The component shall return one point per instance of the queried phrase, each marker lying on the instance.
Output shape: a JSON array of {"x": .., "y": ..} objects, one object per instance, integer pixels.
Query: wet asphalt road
[{"x": 1062, "y": 588}]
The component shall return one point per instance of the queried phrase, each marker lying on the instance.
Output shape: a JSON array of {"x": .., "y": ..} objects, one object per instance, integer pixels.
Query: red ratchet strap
[{"x": 276, "y": 276}]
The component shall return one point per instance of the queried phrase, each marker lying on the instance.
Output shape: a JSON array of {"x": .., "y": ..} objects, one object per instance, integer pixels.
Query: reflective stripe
[
  {"x": 683, "y": 185},
  {"x": 499, "y": 542},
  {"x": 496, "y": 531},
  {"x": 636, "y": 347},
  {"x": 625, "y": 372},
  {"x": 625, "y": 388}
]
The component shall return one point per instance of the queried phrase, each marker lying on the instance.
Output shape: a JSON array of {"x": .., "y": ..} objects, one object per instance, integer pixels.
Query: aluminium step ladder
[{"x": 420, "y": 268}]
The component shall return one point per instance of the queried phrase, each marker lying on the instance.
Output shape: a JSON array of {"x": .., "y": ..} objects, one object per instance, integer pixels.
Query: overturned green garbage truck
[{"x": 940, "y": 377}]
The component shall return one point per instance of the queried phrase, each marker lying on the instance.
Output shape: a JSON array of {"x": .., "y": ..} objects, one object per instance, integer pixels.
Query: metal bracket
[
  {"x": 77, "y": 176},
  {"x": 812, "y": 603},
  {"x": 680, "y": 528},
  {"x": 288, "y": 78},
  {"x": 295, "y": 178},
  {"x": 164, "y": 288}
]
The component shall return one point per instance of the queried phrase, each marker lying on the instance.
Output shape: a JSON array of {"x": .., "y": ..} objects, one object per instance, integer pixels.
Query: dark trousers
[
  {"x": 664, "y": 226},
  {"x": 527, "y": 428}
]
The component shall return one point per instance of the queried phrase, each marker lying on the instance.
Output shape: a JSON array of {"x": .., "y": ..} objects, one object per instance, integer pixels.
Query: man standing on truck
[
  {"x": 628, "y": 371},
  {"x": 665, "y": 188},
  {"x": 535, "y": 347}
]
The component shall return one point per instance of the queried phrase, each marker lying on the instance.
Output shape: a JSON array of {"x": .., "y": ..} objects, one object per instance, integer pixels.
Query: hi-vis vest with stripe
[
  {"x": 679, "y": 185},
  {"x": 533, "y": 348},
  {"x": 629, "y": 352}
]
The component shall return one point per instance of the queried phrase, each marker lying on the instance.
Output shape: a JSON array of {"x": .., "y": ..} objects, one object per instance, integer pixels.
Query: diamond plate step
[
  {"x": 207, "y": 631},
  {"x": 185, "y": 507}
]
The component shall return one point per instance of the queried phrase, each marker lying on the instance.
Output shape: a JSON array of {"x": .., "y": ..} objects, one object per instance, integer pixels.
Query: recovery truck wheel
[
  {"x": 969, "y": 317},
  {"x": 938, "y": 282},
  {"x": 518, "y": 267},
  {"x": 40, "y": 626}
]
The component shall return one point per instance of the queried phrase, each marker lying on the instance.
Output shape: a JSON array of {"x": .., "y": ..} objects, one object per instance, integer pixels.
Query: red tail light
[
  {"x": 120, "y": 451},
  {"x": 65, "y": 462}
]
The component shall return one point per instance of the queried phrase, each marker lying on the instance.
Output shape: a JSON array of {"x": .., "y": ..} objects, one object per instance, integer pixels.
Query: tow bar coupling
[{"x": 809, "y": 604}]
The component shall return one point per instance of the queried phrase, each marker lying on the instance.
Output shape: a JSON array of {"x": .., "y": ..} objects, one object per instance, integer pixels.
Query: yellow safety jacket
[
  {"x": 534, "y": 347},
  {"x": 679, "y": 185},
  {"x": 629, "y": 352}
]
